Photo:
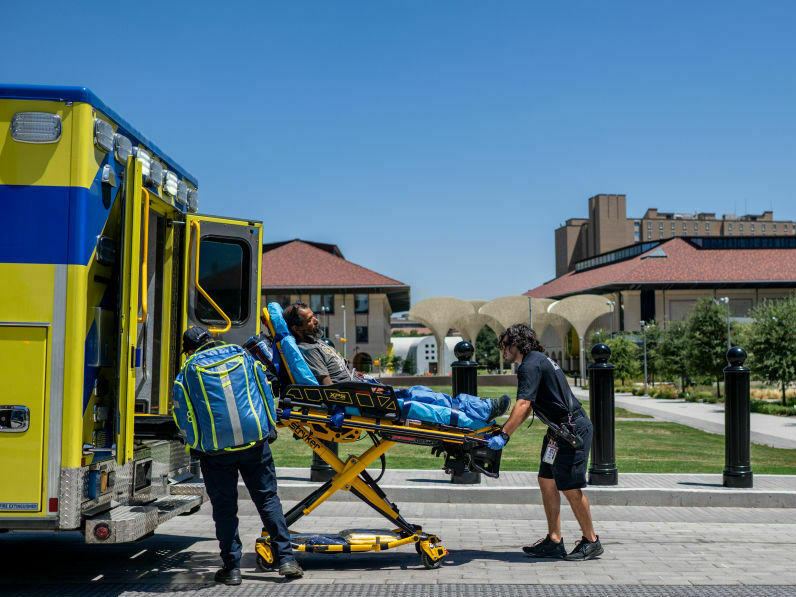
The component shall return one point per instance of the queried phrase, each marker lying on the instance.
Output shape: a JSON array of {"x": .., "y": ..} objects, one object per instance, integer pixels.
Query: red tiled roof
[
  {"x": 683, "y": 264},
  {"x": 298, "y": 264}
]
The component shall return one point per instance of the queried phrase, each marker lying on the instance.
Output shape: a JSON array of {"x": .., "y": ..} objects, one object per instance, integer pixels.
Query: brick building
[
  {"x": 338, "y": 291},
  {"x": 608, "y": 228}
]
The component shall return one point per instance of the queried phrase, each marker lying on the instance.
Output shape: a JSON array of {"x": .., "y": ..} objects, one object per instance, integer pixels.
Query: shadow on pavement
[{"x": 159, "y": 564}]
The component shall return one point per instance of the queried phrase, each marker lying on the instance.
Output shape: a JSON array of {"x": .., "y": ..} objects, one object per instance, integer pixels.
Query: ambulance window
[{"x": 223, "y": 265}]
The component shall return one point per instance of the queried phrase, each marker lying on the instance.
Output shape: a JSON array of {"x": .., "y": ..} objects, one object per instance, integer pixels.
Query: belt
[{"x": 578, "y": 414}]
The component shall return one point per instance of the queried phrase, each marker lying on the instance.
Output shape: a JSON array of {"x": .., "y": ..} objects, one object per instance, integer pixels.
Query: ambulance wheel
[{"x": 429, "y": 563}]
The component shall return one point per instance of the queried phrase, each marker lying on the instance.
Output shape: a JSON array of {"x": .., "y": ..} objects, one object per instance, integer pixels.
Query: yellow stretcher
[{"x": 305, "y": 410}]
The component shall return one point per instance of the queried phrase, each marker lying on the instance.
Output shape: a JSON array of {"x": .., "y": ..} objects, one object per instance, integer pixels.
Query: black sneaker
[
  {"x": 291, "y": 569},
  {"x": 228, "y": 576},
  {"x": 546, "y": 548},
  {"x": 585, "y": 550},
  {"x": 499, "y": 406}
]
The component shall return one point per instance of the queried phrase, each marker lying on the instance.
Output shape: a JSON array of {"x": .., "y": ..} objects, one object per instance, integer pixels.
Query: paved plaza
[{"x": 652, "y": 550}]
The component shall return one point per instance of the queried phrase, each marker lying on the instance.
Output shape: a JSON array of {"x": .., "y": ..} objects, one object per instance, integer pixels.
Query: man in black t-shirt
[{"x": 542, "y": 387}]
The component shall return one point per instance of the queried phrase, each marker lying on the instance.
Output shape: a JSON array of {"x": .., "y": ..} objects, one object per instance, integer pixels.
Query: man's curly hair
[{"x": 523, "y": 337}]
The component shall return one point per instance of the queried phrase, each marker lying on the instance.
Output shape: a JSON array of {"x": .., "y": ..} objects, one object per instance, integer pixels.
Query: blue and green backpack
[{"x": 222, "y": 400}]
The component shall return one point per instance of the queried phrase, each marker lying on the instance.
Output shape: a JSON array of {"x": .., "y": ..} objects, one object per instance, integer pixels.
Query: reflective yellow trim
[
  {"x": 74, "y": 365},
  {"x": 251, "y": 404},
  {"x": 190, "y": 412},
  {"x": 209, "y": 411}
]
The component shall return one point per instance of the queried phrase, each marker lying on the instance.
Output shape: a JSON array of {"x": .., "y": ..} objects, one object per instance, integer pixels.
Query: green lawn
[{"x": 641, "y": 447}]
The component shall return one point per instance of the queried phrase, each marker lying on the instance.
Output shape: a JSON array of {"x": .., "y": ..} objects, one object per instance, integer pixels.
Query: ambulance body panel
[{"x": 96, "y": 277}]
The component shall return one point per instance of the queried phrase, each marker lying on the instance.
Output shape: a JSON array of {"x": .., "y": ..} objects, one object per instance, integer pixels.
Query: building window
[
  {"x": 740, "y": 227},
  {"x": 649, "y": 234},
  {"x": 696, "y": 226},
  {"x": 222, "y": 265},
  {"x": 636, "y": 231},
  {"x": 707, "y": 226},
  {"x": 362, "y": 334},
  {"x": 729, "y": 227},
  {"x": 660, "y": 225},
  {"x": 361, "y": 303},
  {"x": 773, "y": 227},
  {"x": 752, "y": 227},
  {"x": 649, "y": 225},
  {"x": 685, "y": 227},
  {"x": 764, "y": 227},
  {"x": 322, "y": 303},
  {"x": 672, "y": 228}
]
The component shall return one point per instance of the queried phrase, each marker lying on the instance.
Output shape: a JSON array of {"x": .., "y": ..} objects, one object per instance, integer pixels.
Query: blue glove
[
  {"x": 496, "y": 442},
  {"x": 337, "y": 418}
]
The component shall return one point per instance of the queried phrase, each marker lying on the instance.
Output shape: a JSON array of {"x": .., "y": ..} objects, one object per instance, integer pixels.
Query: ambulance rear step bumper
[{"x": 128, "y": 523}]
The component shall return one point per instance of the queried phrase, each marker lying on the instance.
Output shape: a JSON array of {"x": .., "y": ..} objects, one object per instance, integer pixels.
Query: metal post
[
  {"x": 319, "y": 469},
  {"x": 345, "y": 338},
  {"x": 644, "y": 332},
  {"x": 603, "y": 469},
  {"x": 464, "y": 380},
  {"x": 729, "y": 345},
  {"x": 737, "y": 461}
]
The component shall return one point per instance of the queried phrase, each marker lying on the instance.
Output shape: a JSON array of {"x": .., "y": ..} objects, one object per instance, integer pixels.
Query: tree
[
  {"x": 624, "y": 356},
  {"x": 707, "y": 346},
  {"x": 486, "y": 348},
  {"x": 409, "y": 365},
  {"x": 654, "y": 334},
  {"x": 772, "y": 342},
  {"x": 672, "y": 353}
]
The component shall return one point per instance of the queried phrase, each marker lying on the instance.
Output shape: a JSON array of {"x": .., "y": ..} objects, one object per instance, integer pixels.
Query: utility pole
[{"x": 644, "y": 332}]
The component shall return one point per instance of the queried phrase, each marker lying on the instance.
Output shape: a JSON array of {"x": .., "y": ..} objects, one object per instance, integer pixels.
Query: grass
[{"x": 641, "y": 447}]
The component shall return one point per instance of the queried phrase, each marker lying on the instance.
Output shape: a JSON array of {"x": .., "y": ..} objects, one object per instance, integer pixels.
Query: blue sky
[{"x": 441, "y": 143}]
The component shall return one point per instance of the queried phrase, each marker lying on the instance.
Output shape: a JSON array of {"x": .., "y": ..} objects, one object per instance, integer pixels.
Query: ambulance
[{"x": 104, "y": 262}]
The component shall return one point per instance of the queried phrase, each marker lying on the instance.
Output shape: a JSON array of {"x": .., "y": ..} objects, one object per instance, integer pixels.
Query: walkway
[{"x": 769, "y": 430}]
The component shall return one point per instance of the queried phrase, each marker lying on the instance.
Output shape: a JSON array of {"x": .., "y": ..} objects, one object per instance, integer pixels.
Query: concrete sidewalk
[
  {"x": 769, "y": 430},
  {"x": 516, "y": 487}
]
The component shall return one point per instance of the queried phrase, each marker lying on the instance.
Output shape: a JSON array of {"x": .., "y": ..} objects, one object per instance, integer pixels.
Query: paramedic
[
  {"x": 220, "y": 473},
  {"x": 543, "y": 387},
  {"x": 330, "y": 368}
]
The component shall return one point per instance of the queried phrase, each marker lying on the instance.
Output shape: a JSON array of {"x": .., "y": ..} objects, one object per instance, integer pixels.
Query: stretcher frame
[{"x": 307, "y": 412}]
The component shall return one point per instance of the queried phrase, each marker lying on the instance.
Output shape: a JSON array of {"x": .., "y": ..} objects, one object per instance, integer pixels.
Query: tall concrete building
[{"x": 608, "y": 228}]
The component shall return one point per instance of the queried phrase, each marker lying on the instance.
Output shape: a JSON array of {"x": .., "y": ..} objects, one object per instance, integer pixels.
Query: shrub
[{"x": 769, "y": 408}]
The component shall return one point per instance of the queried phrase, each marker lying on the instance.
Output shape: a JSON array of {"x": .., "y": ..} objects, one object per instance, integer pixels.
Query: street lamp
[
  {"x": 611, "y": 304},
  {"x": 644, "y": 332},
  {"x": 726, "y": 301}
]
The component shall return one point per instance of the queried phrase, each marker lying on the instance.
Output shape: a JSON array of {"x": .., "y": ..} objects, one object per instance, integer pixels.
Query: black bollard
[
  {"x": 603, "y": 469},
  {"x": 737, "y": 461},
  {"x": 319, "y": 469},
  {"x": 464, "y": 380}
]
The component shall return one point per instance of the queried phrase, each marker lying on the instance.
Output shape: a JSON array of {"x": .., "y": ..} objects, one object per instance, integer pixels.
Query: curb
[{"x": 598, "y": 495}]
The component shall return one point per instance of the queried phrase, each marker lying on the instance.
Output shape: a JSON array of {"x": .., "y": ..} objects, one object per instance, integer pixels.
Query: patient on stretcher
[{"x": 322, "y": 365}]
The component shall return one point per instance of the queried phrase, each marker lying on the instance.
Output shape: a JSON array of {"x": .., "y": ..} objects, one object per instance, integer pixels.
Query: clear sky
[{"x": 440, "y": 143}]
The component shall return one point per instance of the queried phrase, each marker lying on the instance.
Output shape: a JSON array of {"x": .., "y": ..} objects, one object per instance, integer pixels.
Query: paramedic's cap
[{"x": 194, "y": 337}]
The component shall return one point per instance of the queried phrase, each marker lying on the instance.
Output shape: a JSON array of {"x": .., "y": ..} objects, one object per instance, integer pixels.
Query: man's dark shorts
[{"x": 569, "y": 468}]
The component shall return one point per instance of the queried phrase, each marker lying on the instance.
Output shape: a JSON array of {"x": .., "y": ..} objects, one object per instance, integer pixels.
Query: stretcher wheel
[
  {"x": 265, "y": 556},
  {"x": 428, "y": 562}
]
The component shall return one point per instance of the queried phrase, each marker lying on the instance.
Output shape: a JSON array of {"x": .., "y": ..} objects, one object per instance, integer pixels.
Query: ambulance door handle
[{"x": 14, "y": 418}]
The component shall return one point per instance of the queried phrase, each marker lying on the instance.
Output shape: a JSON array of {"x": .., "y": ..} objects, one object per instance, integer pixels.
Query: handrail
[
  {"x": 145, "y": 289},
  {"x": 212, "y": 330}
]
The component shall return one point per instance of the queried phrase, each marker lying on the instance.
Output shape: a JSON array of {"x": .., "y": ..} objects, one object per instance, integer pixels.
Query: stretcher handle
[
  {"x": 478, "y": 469},
  {"x": 145, "y": 258},
  {"x": 211, "y": 329}
]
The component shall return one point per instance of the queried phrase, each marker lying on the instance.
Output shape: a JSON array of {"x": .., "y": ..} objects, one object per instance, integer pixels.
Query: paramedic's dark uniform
[
  {"x": 256, "y": 467},
  {"x": 541, "y": 381}
]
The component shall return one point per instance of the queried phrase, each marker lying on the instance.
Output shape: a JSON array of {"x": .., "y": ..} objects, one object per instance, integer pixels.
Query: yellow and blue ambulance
[{"x": 104, "y": 262}]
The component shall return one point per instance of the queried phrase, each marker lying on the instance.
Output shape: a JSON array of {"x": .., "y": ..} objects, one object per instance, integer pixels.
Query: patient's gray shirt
[{"x": 324, "y": 360}]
